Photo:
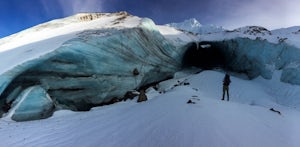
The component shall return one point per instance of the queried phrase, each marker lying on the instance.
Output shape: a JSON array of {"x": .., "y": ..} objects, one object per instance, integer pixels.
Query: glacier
[
  {"x": 95, "y": 68},
  {"x": 252, "y": 50},
  {"x": 259, "y": 58},
  {"x": 115, "y": 53}
]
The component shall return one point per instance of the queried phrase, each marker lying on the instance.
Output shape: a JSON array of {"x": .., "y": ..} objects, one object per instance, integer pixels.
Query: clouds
[
  {"x": 17, "y": 15},
  {"x": 161, "y": 11},
  {"x": 292, "y": 13},
  {"x": 230, "y": 14},
  {"x": 50, "y": 8},
  {"x": 267, "y": 13},
  {"x": 71, "y": 7}
]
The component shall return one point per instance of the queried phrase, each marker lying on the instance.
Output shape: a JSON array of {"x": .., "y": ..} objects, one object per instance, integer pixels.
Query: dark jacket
[{"x": 226, "y": 80}]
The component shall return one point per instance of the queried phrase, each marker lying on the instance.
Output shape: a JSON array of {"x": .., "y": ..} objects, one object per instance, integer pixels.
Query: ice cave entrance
[{"x": 203, "y": 55}]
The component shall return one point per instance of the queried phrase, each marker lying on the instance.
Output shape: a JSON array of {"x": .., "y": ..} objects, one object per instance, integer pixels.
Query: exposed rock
[
  {"x": 130, "y": 95},
  {"x": 272, "y": 109},
  {"x": 142, "y": 96},
  {"x": 190, "y": 102},
  {"x": 193, "y": 99},
  {"x": 253, "y": 30},
  {"x": 135, "y": 72},
  {"x": 186, "y": 83},
  {"x": 6, "y": 107}
]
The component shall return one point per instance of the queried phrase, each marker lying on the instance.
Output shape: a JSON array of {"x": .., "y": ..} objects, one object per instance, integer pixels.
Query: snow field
[{"x": 167, "y": 120}]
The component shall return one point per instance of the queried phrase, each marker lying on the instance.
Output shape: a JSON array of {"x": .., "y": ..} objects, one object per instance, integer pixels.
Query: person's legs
[
  {"x": 224, "y": 89},
  {"x": 227, "y": 90}
]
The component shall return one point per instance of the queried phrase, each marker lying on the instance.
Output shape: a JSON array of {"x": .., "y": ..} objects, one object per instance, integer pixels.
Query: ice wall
[
  {"x": 32, "y": 103},
  {"x": 96, "y": 67},
  {"x": 260, "y": 57}
]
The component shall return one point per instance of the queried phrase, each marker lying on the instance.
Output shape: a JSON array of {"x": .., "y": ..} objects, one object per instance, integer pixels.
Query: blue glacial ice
[
  {"x": 100, "y": 66},
  {"x": 32, "y": 103},
  {"x": 96, "y": 67}
]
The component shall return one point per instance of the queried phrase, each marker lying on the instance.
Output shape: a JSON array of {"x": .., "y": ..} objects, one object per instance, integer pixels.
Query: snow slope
[
  {"x": 45, "y": 38},
  {"x": 42, "y": 39},
  {"x": 167, "y": 120}
]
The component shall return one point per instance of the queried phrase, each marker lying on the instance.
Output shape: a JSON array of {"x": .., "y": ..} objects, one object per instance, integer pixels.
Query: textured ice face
[
  {"x": 260, "y": 58},
  {"x": 98, "y": 66},
  {"x": 32, "y": 103}
]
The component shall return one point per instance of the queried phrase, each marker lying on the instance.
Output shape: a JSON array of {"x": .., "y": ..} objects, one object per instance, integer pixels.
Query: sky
[{"x": 17, "y": 15}]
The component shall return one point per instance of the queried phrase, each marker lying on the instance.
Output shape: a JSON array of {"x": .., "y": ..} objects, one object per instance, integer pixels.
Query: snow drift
[{"x": 167, "y": 120}]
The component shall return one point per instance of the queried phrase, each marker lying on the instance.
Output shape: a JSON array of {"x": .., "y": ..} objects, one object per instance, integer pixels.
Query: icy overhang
[
  {"x": 96, "y": 67},
  {"x": 243, "y": 55}
]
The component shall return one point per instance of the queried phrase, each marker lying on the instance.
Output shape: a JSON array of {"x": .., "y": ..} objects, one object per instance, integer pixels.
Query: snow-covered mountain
[
  {"x": 253, "y": 30},
  {"x": 287, "y": 31},
  {"x": 193, "y": 25}
]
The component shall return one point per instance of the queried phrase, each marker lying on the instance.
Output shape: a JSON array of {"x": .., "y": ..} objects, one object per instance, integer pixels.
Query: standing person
[{"x": 226, "y": 83}]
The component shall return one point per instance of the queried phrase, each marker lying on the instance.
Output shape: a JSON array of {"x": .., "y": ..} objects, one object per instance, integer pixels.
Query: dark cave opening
[{"x": 203, "y": 55}]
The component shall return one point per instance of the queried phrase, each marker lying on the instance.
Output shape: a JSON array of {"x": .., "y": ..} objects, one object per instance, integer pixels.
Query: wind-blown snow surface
[{"x": 167, "y": 120}]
